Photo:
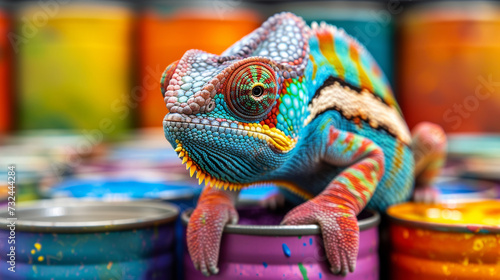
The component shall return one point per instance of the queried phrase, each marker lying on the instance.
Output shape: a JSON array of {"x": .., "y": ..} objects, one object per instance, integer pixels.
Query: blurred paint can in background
[
  {"x": 270, "y": 251},
  {"x": 475, "y": 156},
  {"x": 123, "y": 189},
  {"x": 74, "y": 63},
  {"x": 458, "y": 190},
  {"x": 5, "y": 70},
  {"x": 29, "y": 172},
  {"x": 445, "y": 241},
  {"x": 169, "y": 28},
  {"x": 449, "y": 65},
  {"x": 370, "y": 22},
  {"x": 90, "y": 240}
]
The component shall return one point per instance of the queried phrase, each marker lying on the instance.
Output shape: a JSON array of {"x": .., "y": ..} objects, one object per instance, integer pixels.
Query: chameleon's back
[{"x": 346, "y": 83}]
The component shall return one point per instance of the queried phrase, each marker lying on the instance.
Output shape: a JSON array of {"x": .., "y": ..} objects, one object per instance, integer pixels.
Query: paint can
[
  {"x": 142, "y": 154},
  {"x": 458, "y": 190},
  {"x": 445, "y": 241},
  {"x": 272, "y": 251},
  {"x": 475, "y": 156},
  {"x": 448, "y": 60},
  {"x": 108, "y": 189},
  {"x": 134, "y": 170},
  {"x": 74, "y": 61},
  {"x": 90, "y": 240},
  {"x": 183, "y": 195},
  {"x": 169, "y": 28},
  {"x": 30, "y": 169}
]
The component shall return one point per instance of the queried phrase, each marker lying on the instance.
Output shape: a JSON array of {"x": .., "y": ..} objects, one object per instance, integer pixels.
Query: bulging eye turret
[{"x": 251, "y": 91}]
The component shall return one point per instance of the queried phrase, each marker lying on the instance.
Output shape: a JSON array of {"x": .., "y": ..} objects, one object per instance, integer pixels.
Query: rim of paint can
[
  {"x": 75, "y": 216},
  {"x": 286, "y": 230},
  {"x": 440, "y": 226}
]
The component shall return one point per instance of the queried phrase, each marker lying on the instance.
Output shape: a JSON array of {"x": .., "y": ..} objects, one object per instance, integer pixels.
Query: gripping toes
[
  {"x": 339, "y": 229},
  {"x": 204, "y": 234}
]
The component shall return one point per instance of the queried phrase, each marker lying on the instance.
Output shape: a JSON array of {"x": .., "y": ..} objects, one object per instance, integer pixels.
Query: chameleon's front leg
[
  {"x": 215, "y": 209},
  {"x": 335, "y": 209}
]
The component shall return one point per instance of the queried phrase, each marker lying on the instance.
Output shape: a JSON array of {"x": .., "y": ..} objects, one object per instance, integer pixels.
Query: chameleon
[{"x": 305, "y": 108}]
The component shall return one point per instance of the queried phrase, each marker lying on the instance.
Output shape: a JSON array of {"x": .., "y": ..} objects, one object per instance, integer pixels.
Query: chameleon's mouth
[{"x": 274, "y": 137}]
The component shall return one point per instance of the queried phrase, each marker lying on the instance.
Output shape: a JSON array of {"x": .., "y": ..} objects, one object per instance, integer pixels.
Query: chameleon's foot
[
  {"x": 425, "y": 194},
  {"x": 339, "y": 228},
  {"x": 204, "y": 232}
]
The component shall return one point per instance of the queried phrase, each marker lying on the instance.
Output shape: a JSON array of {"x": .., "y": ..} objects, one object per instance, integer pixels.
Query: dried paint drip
[{"x": 286, "y": 250}]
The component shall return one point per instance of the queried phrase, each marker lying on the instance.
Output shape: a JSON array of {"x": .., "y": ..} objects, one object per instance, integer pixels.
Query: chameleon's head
[{"x": 235, "y": 118}]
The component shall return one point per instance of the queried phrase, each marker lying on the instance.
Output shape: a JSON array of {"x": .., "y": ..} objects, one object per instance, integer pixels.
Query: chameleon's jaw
[
  {"x": 211, "y": 181},
  {"x": 276, "y": 140},
  {"x": 201, "y": 175}
]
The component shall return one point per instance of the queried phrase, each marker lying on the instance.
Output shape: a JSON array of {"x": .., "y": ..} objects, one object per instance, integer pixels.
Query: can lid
[
  {"x": 469, "y": 217},
  {"x": 366, "y": 220},
  {"x": 75, "y": 216}
]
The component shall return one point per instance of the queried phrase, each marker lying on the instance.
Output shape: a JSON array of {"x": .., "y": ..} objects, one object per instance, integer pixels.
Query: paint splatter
[
  {"x": 305, "y": 244},
  {"x": 320, "y": 275},
  {"x": 310, "y": 241},
  {"x": 286, "y": 250},
  {"x": 38, "y": 246},
  {"x": 264, "y": 264},
  {"x": 40, "y": 258},
  {"x": 303, "y": 271}
]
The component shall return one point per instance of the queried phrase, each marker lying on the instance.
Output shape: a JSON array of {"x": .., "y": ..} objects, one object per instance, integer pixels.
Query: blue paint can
[
  {"x": 75, "y": 239},
  {"x": 183, "y": 195}
]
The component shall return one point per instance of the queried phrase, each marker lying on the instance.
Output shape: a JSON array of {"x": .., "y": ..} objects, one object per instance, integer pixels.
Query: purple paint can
[{"x": 271, "y": 251}]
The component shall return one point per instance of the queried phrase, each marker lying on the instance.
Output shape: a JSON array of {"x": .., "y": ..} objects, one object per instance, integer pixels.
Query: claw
[
  {"x": 213, "y": 269},
  {"x": 215, "y": 209},
  {"x": 339, "y": 230}
]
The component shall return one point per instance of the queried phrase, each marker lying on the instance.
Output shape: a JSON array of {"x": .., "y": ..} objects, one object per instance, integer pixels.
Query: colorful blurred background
[{"x": 80, "y": 100}]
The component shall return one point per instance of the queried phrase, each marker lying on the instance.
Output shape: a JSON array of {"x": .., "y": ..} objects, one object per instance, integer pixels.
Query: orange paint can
[
  {"x": 449, "y": 65},
  {"x": 445, "y": 241},
  {"x": 168, "y": 29}
]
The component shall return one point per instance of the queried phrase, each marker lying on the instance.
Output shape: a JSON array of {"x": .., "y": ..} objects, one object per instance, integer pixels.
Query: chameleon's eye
[
  {"x": 167, "y": 76},
  {"x": 251, "y": 91},
  {"x": 257, "y": 90}
]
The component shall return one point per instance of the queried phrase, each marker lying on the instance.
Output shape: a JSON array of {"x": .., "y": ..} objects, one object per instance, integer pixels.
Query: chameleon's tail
[{"x": 429, "y": 152}]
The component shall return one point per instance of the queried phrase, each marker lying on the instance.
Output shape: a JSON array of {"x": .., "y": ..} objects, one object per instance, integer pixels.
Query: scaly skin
[{"x": 305, "y": 108}]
